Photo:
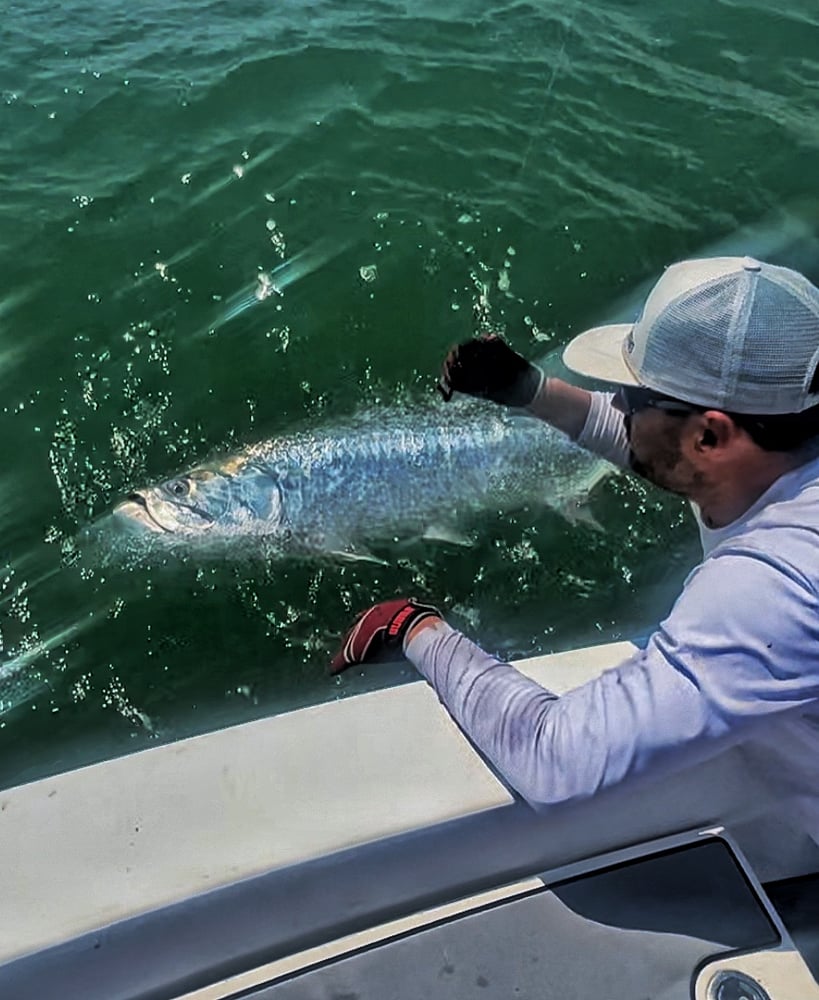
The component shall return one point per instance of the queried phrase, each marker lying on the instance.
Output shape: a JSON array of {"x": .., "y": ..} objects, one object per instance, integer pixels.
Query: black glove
[{"x": 487, "y": 367}]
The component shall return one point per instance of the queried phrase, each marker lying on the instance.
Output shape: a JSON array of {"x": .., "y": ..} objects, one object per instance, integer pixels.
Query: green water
[{"x": 158, "y": 158}]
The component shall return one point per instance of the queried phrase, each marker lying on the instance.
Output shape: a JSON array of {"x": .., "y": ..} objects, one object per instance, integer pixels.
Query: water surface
[{"x": 399, "y": 164}]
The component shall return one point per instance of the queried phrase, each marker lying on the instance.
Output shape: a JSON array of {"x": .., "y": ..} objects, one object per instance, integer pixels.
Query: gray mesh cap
[{"x": 728, "y": 332}]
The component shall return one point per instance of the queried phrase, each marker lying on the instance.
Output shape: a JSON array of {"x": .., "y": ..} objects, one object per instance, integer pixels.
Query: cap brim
[{"x": 598, "y": 354}]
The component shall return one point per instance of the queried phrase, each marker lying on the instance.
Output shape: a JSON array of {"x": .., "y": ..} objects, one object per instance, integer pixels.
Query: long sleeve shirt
[{"x": 735, "y": 664}]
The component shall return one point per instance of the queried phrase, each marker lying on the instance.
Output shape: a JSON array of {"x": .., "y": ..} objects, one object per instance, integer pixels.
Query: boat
[{"x": 363, "y": 848}]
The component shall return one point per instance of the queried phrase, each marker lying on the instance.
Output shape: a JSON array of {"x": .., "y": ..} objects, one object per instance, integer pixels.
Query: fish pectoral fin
[
  {"x": 577, "y": 511},
  {"x": 356, "y": 553},
  {"x": 577, "y": 508},
  {"x": 446, "y": 533}
]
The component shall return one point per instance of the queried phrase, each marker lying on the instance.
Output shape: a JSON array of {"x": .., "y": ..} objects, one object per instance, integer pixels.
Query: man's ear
[{"x": 716, "y": 430}]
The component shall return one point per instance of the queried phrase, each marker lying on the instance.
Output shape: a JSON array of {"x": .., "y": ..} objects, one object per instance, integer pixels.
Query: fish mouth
[{"x": 135, "y": 508}]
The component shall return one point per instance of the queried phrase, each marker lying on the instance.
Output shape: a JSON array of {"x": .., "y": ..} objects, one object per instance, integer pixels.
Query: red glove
[{"x": 383, "y": 626}]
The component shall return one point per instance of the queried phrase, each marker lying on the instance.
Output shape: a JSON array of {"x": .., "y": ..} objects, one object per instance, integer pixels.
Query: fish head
[
  {"x": 205, "y": 502},
  {"x": 190, "y": 504}
]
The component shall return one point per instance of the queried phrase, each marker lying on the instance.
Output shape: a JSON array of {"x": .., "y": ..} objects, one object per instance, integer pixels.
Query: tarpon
[{"x": 385, "y": 476}]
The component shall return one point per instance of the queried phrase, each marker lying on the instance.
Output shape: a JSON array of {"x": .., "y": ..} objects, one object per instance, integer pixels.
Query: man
[{"x": 718, "y": 401}]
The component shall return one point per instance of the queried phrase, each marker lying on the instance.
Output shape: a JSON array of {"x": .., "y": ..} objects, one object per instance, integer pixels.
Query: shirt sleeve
[
  {"x": 716, "y": 667},
  {"x": 604, "y": 432}
]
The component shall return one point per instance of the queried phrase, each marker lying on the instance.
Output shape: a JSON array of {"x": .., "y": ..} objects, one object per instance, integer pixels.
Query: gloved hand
[
  {"x": 383, "y": 626},
  {"x": 487, "y": 367}
]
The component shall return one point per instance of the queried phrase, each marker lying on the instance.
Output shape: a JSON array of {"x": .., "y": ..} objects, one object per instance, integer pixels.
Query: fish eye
[{"x": 179, "y": 487}]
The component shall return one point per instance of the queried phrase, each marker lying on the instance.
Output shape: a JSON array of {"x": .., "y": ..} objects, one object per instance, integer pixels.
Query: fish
[{"x": 381, "y": 477}]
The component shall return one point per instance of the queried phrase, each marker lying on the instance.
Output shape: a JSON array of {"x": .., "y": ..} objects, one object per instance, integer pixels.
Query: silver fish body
[{"x": 387, "y": 475}]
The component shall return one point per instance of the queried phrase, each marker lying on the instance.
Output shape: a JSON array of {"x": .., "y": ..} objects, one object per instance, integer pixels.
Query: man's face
[
  {"x": 655, "y": 448},
  {"x": 655, "y": 452}
]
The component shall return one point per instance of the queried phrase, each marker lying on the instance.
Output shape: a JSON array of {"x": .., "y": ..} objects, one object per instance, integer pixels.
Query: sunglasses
[{"x": 633, "y": 398}]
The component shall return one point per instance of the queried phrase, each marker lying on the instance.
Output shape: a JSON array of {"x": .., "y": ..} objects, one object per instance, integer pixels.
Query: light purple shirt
[{"x": 735, "y": 665}]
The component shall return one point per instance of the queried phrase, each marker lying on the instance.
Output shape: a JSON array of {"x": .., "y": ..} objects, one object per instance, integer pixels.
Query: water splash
[
  {"x": 275, "y": 282},
  {"x": 21, "y": 674}
]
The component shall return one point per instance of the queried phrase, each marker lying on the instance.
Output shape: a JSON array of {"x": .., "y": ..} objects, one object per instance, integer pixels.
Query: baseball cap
[{"x": 732, "y": 333}]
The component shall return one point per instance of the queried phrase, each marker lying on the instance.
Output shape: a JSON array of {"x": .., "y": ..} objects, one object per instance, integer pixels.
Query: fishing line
[{"x": 482, "y": 308}]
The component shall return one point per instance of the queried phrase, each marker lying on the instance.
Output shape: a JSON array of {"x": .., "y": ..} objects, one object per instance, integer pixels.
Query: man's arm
[
  {"x": 487, "y": 367},
  {"x": 711, "y": 671},
  {"x": 562, "y": 405},
  {"x": 587, "y": 417}
]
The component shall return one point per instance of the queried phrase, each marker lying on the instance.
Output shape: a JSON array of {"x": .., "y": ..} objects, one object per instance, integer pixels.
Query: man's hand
[
  {"x": 383, "y": 626},
  {"x": 487, "y": 367}
]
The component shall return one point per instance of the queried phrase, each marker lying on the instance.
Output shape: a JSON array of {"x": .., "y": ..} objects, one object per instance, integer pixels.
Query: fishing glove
[
  {"x": 383, "y": 626},
  {"x": 487, "y": 367}
]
